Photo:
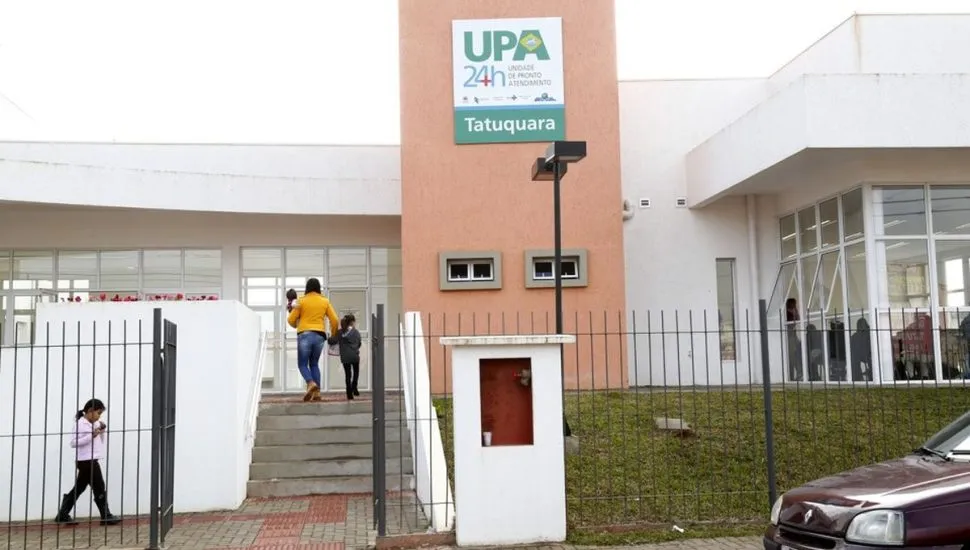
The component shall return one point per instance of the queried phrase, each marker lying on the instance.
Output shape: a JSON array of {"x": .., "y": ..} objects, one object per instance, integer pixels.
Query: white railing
[
  {"x": 427, "y": 450},
  {"x": 257, "y": 386}
]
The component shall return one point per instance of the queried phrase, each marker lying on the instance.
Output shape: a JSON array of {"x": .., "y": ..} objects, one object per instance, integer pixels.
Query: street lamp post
[{"x": 553, "y": 166}]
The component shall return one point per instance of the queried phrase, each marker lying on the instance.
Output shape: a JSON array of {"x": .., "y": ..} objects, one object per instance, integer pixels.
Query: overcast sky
[{"x": 313, "y": 71}]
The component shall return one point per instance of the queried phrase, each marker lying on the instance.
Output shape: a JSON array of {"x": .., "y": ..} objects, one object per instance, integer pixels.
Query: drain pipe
[{"x": 754, "y": 276}]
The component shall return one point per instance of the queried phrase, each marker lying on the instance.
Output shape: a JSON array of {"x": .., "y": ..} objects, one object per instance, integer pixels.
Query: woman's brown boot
[{"x": 311, "y": 390}]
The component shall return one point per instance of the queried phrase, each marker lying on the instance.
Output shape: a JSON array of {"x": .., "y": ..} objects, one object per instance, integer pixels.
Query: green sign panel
[{"x": 508, "y": 80}]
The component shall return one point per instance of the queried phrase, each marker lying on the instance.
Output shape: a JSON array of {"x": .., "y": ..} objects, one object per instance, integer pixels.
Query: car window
[{"x": 952, "y": 437}]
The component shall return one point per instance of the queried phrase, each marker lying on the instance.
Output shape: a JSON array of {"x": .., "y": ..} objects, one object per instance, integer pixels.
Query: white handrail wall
[
  {"x": 430, "y": 468},
  {"x": 257, "y": 387}
]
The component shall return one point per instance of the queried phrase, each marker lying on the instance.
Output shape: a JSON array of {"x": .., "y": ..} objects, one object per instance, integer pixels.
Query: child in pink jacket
[{"x": 88, "y": 442}]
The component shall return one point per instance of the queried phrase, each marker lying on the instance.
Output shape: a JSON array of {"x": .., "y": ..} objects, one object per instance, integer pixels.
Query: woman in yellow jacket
[{"x": 307, "y": 317}]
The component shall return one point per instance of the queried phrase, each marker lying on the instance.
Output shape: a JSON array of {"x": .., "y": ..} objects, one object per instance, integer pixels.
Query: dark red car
[{"x": 918, "y": 501}]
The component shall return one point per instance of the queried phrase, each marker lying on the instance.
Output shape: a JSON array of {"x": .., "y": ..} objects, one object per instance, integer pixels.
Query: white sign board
[{"x": 508, "y": 80}]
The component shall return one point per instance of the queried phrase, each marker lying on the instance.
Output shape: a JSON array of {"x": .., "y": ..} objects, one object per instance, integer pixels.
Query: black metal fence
[
  {"x": 688, "y": 417},
  {"x": 127, "y": 366}
]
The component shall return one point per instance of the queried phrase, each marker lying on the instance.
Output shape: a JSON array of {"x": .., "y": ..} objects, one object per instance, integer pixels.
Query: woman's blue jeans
[{"x": 309, "y": 348}]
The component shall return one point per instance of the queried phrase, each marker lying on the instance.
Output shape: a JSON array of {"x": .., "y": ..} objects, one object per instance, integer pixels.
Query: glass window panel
[
  {"x": 262, "y": 263},
  {"x": 335, "y": 378},
  {"x": 822, "y": 289},
  {"x": 119, "y": 270},
  {"x": 828, "y": 222},
  {"x": 899, "y": 210},
  {"x": 724, "y": 268},
  {"x": 261, "y": 281},
  {"x": 785, "y": 287},
  {"x": 77, "y": 269},
  {"x": 905, "y": 273},
  {"x": 163, "y": 269},
  {"x": 33, "y": 269},
  {"x": 393, "y": 300},
  {"x": 303, "y": 263},
  {"x": 385, "y": 266},
  {"x": 5, "y": 269},
  {"x": 807, "y": 231},
  {"x": 203, "y": 269},
  {"x": 909, "y": 336},
  {"x": 353, "y": 302},
  {"x": 789, "y": 241},
  {"x": 348, "y": 267},
  {"x": 268, "y": 320},
  {"x": 857, "y": 282},
  {"x": 262, "y": 297},
  {"x": 809, "y": 267},
  {"x": 853, "y": 223},
  {"x": 953, "y": 272},
  {"x": 834, "y": 294},
  {"x": 950, "y": 206},
  {"x": 861, "y": 366}
]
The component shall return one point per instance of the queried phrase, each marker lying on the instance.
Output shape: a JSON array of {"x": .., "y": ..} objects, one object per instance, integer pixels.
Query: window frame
[
  {"x": 470, "y": 265},
  {"x": 722, "y": 331},
  {"x": 470, "y": 258},
  {"x": 579, "y": 256},
  {"x": 552, "y": 268}
]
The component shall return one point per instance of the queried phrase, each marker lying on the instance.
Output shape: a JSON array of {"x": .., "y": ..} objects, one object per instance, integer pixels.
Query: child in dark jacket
[{"x": 348, "y": 341}]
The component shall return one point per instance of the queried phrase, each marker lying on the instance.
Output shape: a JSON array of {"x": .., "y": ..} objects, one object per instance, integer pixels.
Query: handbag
[{"x": 333, "y": 350}]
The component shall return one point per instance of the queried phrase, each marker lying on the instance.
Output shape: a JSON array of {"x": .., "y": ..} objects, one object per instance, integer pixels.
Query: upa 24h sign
[{"x": 508, "y": 80}]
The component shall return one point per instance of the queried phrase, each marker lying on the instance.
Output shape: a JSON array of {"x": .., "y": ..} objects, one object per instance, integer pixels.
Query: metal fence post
[
  {"x": 766, "y": 385},
  {"x": 157, "y": 413},
  {"x": 380, "y": 421}
]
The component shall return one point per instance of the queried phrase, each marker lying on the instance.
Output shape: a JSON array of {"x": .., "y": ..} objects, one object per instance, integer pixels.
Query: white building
[
  {"x": 241, "y": 222},
  {"x": 840, "y": 181}
]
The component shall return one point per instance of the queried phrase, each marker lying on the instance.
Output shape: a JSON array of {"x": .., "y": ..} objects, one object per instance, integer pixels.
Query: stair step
[
  {"x": 325, "y": 468},
  {"x": 324, "y": 407},
  {"x": 322, "y": 436},
  {"x": 318, "y": 420},
  {"x": 323, "y": 486},
  {"x": 289, "y": 453}
]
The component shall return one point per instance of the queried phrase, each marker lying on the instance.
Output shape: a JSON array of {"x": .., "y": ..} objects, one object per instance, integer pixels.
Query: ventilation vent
[
  {"x": 644, "y": 203},
  {"x": 681, "y": 202}
]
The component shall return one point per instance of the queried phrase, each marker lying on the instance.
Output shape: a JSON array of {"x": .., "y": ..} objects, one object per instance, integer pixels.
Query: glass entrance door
[{"x": 19, "y": 313}]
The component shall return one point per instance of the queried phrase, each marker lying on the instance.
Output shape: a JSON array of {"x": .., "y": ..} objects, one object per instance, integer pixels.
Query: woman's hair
[
  {"x": 344, "y": 325},
  {"x": 350, "y": 318},
  {"x": 291, "y": 294},
  {"x": 313, "y": 285},
  {"x": 91, "y": 405}
]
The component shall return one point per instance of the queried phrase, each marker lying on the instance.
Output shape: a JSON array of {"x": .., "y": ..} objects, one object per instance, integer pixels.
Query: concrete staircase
[{"x": 324, "y": 448}]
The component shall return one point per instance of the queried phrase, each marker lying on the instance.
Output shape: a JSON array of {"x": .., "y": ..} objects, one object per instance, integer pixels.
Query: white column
[
  {"x": 231, "y": 273},
  {"x": 513, "y": 494}
]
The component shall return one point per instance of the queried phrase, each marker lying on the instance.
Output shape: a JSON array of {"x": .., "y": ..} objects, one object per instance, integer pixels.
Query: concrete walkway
[{"x": 325, "y": 522}]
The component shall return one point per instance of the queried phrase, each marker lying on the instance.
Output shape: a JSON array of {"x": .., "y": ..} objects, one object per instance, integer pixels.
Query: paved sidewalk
[{"x": 325, "y": 522}]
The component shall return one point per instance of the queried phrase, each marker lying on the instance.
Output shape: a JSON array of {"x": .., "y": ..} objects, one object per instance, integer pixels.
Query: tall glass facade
[
  {"x": 901, "y": 292},
  {"x": 820, "y": 298}
]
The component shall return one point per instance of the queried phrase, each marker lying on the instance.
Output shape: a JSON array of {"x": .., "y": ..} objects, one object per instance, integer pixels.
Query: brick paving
[{"x": 324, "y": 522}]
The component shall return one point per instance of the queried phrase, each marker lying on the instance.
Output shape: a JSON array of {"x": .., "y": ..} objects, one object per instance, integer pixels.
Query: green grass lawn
[{"x": 715, "y": 483}]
